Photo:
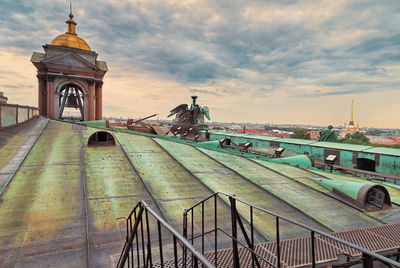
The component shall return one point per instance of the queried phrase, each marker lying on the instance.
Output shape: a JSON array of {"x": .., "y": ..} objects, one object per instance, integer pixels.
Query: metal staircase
[{"x": 151, "y": 242}]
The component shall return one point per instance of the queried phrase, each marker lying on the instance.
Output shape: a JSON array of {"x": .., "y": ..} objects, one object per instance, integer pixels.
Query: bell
[{"x": 72, "y": 102}]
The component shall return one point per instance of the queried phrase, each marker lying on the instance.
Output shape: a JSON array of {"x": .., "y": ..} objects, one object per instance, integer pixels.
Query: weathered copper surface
[
  {"x": 64, "y": 205},
  {"x": 15, "y": 144},
  {"x": 219, "y": 177},
  {"x": 304, "y": 199}
]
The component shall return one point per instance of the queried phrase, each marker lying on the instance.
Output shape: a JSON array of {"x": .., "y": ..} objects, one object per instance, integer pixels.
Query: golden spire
[
  {"x": 71, "y": 23},
  {"x": 351, "y": 114}
]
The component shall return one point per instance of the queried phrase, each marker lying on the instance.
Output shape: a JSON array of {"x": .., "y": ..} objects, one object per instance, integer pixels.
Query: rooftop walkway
[{"x": 14, "y": 145}]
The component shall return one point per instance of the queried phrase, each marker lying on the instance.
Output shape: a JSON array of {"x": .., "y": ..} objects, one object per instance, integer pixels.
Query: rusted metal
[
  {"x": 297, "y": 253},
  {"x": 131, "y": 121}
]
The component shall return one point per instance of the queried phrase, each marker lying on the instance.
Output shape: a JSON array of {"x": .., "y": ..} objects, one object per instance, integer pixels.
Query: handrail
[
  {"x": 376, "y": 175},
  {"x": 365, "y": 253},
  {"x": 132, "y": 233}
]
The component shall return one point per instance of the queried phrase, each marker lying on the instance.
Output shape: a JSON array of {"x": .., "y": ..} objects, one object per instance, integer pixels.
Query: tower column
[
  {"x": 44, "y": 97},
  {"x": 50, "y": 96},
  {"x": 91, "y": 101},
  {"x": 40, "y": 94},
  {"x": 99, "y": 101}
]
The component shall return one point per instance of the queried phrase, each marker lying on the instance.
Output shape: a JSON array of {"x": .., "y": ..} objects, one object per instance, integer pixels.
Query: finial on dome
[
  {"x": 71, "y": 23},
  {"x": 70, "y": 38},
  {"x": 70, "y": 11}
]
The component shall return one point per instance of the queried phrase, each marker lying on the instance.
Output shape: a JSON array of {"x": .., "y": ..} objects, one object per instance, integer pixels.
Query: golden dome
[{"x": 70, "y": 38}]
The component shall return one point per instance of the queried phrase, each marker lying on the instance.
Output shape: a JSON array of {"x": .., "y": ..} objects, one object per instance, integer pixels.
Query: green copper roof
[
  {"x": 341, "y": 146},
  {"x": 97, "y": 123},
  {"x": 296, "y": 141},
  {"x": 66, "y": 200},
  {"x": 37, "y": 57},
  {"x": 351, "y": 189},
  {"x": 297, "y": 160},
  {"x": 383, "y": 150},
  {"x": 261, "y": 137},
  {"x": 102, "y": 65}
]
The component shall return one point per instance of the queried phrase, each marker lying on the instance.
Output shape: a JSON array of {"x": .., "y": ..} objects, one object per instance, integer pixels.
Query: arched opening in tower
[
  {"x": 101, "y": 138},
  {"x": 71, "y": 102}
]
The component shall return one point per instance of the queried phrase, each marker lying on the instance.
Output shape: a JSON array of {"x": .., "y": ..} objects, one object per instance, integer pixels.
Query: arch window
[
  {"x": 71, "y": 102},
  {"x": 101, "y": 138}
]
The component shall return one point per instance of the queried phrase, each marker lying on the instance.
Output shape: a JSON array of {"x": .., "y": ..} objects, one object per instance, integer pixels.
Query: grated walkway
[{"x": 296, "y": 252}]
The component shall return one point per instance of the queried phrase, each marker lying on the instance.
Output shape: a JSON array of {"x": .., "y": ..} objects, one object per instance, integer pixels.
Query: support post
[
  {"x": 40, "y": 94},
  {"x": 91, "y": 101},
  {"x": 99, "y": 101},
  {"x": 366, "y": 261},
  {"x": 278, "y": 243},
  {"x": 44, "y": 97},
  {"x": 50, "y": 96},
  {"x": 236, "y": 263},
  {"x": 16, "y": 114},
  {"x": 80, "y": 103},
  {"x": 66, "y": 92}
]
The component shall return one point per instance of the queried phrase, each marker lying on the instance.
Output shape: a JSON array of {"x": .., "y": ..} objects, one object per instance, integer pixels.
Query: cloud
[{"x": 204, "y": 91}]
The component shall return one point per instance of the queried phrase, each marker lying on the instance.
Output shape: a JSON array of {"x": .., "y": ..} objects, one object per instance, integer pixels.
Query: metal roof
[
  {"x": 296, "y": 141},
  {"x": 341, "y": 146},
  {"x": 332, "y": 145},
  {"x": 37, "y": 57},
  {"x": 383, "y": 150},
  {"x": 65, "y": 199}
]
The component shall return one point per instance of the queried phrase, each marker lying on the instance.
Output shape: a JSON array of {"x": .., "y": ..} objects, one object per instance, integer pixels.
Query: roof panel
[
  {"x": 261, "y": 137},
  {"x": 297, "y": 141},
  {"x": 383, "y": 150},
  {"x": 37, "y": 57},
  {"x": 341, "y": 146}
]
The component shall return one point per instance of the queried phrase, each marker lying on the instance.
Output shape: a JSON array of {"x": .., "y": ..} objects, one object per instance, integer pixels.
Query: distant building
[
  {"x": 351, "y": 127},
  {"x": 314, "y": 135}
]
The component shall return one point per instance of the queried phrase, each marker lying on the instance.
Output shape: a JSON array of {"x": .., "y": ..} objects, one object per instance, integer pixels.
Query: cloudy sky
[{"x": 248, "y": 61}]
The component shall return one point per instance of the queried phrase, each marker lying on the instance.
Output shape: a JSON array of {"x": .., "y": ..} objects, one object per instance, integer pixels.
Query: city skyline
[{"x": 279, "y": 62}]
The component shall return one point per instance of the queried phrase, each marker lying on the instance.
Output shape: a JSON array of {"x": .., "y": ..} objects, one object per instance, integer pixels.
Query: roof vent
[{"x": 101, "y": 138}]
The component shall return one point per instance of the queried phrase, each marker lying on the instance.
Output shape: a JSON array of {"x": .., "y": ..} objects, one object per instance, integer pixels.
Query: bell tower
[{"x": 69, "y": 77}]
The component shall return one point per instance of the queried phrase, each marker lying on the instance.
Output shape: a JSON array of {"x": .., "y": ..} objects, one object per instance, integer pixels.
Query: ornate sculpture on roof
[
  {"x": 193, "y": 116},
  {"x": 327, "y": 134}
]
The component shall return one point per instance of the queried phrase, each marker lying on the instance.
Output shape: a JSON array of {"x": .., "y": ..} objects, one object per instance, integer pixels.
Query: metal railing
[
  {"x": 138, "y": 250},
  {"x": 358, "y": 172},
  {"x": 248, "y": 244}
]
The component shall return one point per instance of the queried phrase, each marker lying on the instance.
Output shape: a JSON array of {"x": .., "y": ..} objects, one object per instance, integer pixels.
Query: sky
[{"x": 249, "y": 61}]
